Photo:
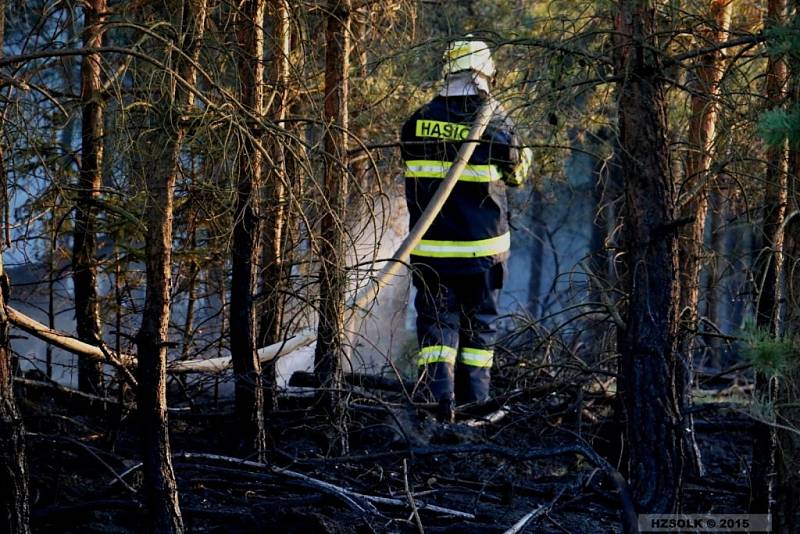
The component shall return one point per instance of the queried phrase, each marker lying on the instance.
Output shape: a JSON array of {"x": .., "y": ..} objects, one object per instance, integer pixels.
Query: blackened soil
[{"x": 77, "y": 451}]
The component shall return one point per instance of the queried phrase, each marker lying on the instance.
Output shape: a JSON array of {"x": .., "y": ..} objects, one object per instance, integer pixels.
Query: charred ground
[{"x": 546, "y": 447}]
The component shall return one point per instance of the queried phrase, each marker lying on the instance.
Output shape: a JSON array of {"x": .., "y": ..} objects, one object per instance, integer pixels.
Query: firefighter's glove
[{"x": 520, "y": 172}]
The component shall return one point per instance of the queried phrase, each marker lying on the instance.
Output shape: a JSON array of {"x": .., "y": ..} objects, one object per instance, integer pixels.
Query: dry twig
[{"x": 411, "y": 501}]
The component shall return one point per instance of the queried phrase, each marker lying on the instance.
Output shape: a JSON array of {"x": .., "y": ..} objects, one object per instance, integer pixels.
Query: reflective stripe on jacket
[{"x": 471, "y": 232}]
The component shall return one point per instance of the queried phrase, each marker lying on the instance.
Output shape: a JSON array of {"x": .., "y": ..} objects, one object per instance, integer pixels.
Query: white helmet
[{"x": 468, "y": 56}]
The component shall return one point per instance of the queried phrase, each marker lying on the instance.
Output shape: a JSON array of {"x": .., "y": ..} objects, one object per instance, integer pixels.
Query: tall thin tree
[
  {"x": 249, "y": 393},
  {"x": 767, "y": 274},
  {"x": 160, "y": 150},
  {"x": 84, "y": 242},
  {"x": 702, "y": 128},
  {"x": 698, "y": 180},
  {"x": 14, "y": 506},
  {"x": 786, "y": 510},
  {"x": 329, "y": 355},
  {"x": 649, "y": 384},
  {"x": 274, "y": 261}
]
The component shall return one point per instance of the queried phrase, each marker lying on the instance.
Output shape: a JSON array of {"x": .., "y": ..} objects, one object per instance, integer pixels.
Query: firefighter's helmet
[{"x": 468, "y": 56}]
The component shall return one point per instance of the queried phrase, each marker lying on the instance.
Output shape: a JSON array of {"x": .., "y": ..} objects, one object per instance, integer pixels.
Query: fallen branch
[
  {"x": 128, "y": 471},
  {"x": 527, "y": 518},
  {"x": 321, "y": 484},
  {"x": 124, "y": 361},
  {"x": 265, "y": 354},
  {"x": 474, "y": 448},
  {"x": 67, "y": 342},
  {"x": 236, "y": 474}
]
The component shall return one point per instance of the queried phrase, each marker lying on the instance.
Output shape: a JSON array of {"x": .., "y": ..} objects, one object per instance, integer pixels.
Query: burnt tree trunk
[
  {"x": 14, "y": 506},
  {"x": 767, "y": 275},
  {"x": 160, "y": 149},
  {"x": 329, "y": 355},
  {"x": 249, "y": 394},
  {"x": 652, "y": 397},
  {"x": 160, "y": 489},
  {"x": 84, "y": 244},
  {"x": 274, "y": 263}
]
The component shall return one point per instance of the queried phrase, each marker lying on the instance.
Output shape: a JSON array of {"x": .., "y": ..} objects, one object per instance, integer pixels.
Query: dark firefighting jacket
[{"x": 471, "y": 233}]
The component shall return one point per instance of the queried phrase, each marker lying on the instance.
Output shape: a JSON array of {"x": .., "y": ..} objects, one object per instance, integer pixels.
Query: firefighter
[{"x": 459, "y": 265}]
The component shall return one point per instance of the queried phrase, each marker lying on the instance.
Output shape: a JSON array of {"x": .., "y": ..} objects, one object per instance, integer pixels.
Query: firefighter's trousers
[{"x": 456, "y": 331}]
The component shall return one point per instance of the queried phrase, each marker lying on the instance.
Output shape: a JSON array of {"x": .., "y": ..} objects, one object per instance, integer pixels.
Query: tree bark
[
  {"x": 274, "y": 261},
  {"x": 649, "y": 384},
  {"x": 161, "y": 491},
  {"x": 767, "y": 275},
  {"x": 249, "y": 393},
  {"x": 160, "y": 149},
  {"x": 691, "y": 241},
  {"x": 329, "y": 355},
  {"x": 84, "y": 244},
  {"x": 14, "y": 507},
  {"x": 702, "y": 128},
  {"x": 360, "y": 165},
  {"x": 786, "y": 510}
]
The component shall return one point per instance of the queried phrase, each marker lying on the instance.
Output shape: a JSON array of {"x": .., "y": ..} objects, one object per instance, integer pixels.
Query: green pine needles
[
  {"x": 778, "y": 125},
  {"x": 769, "y": 354}
]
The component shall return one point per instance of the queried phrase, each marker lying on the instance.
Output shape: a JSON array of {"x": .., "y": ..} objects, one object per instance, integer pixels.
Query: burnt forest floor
[{"x": 537, "y": 455}]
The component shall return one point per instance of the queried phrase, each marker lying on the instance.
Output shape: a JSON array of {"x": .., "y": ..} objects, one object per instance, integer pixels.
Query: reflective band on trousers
[
  {"x": 436, "y": 354},
  {"x": 476, "y": 357},
  {"x": 463, "y": 249},
  {"x": 423, "y": 168}
]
